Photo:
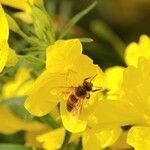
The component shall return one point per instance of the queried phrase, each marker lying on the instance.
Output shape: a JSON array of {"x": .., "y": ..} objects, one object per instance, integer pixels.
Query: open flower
[
  {"x": 7, "y": 55},
  {"x": 132, "y": 108},
  {"x": 66, "y": 69},
  {"x": 136, "y": 85}
]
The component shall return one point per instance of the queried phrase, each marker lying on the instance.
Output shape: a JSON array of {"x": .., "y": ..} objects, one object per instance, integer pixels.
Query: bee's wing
[
  {"x": 78, "y": 108},
  {"x": 62, "y": 91}
]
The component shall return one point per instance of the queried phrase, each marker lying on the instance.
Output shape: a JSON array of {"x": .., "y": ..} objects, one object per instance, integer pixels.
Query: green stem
[
  {"x": 79, "y": 146},
  {"x": 102, "y": 30},
  {"x": 66, "y": 140},
  {"x": 75, "y": 19}
]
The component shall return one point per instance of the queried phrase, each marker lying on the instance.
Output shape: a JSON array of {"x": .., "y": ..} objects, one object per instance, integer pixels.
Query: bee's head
[{"x": 88, "y": 85}]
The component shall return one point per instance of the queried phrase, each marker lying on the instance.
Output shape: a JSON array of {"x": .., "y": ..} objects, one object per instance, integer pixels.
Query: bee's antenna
[{"x": 93, "y": 77}]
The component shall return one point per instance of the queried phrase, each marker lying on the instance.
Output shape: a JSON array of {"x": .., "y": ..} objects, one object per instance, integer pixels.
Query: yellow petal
[
  {"x": 114, "y": 77},
  {"x": 136, "y": 86},
  {"x": 90, "y": 141},
  {"x": 53, "y": 139},
  {"x": 62, "y": 54},
  {"x": 117, "y": 113},
  {"x": 135, "y": 50},
  {"x": 100, "y": 140},
  {"x": 139, "y": 138},
  {"x": 4, "y": 52},
  {"x": 4, "y": 29},
  {"x": 71, "y": 122},
  {"x": 87, "y": 69},
  {"x": 132, "y": 54},
  {"x": 42, "y": 97}
]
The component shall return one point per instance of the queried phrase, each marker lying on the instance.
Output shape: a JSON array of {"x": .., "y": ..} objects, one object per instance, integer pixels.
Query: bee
[{"x": 81, "y": 92}]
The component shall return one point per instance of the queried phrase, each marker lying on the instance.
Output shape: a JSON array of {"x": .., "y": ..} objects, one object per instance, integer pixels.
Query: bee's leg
[
  {"x": 88, "y": 96},
  {"x": 90, "y": 77},
  {"x": 96, "y": 90}
]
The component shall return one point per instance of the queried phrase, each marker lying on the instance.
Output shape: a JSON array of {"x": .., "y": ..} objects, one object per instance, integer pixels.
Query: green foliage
[
  {"x": 75, "y": 19},
  {"x": 13, "y": 147}
]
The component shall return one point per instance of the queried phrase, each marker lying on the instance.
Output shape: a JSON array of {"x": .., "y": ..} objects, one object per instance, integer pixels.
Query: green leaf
[
  {"x": 86, "y": 40},
  {"x": 17, "y": 106},
  {"x": 13, "y": 147},
  {"x": 75, "y": 19},
  {"x": 13, "y": 101}
]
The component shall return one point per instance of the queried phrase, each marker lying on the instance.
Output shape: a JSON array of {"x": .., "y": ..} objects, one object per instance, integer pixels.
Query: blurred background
[{"x": 112, "y": 24}]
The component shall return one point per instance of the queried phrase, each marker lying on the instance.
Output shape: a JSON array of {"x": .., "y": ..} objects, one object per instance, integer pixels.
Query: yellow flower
[
  {"x": 66, "y": 68},
  {"x": 136, "y": 87},
  {"x": 135, "y": 50},
  {"x": 7, "y": 56},
  {"x": 19, "y": 86}
]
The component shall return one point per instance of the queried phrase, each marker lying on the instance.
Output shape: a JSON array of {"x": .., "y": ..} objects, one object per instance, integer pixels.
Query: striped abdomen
[{"x": 71, "y": 103}]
